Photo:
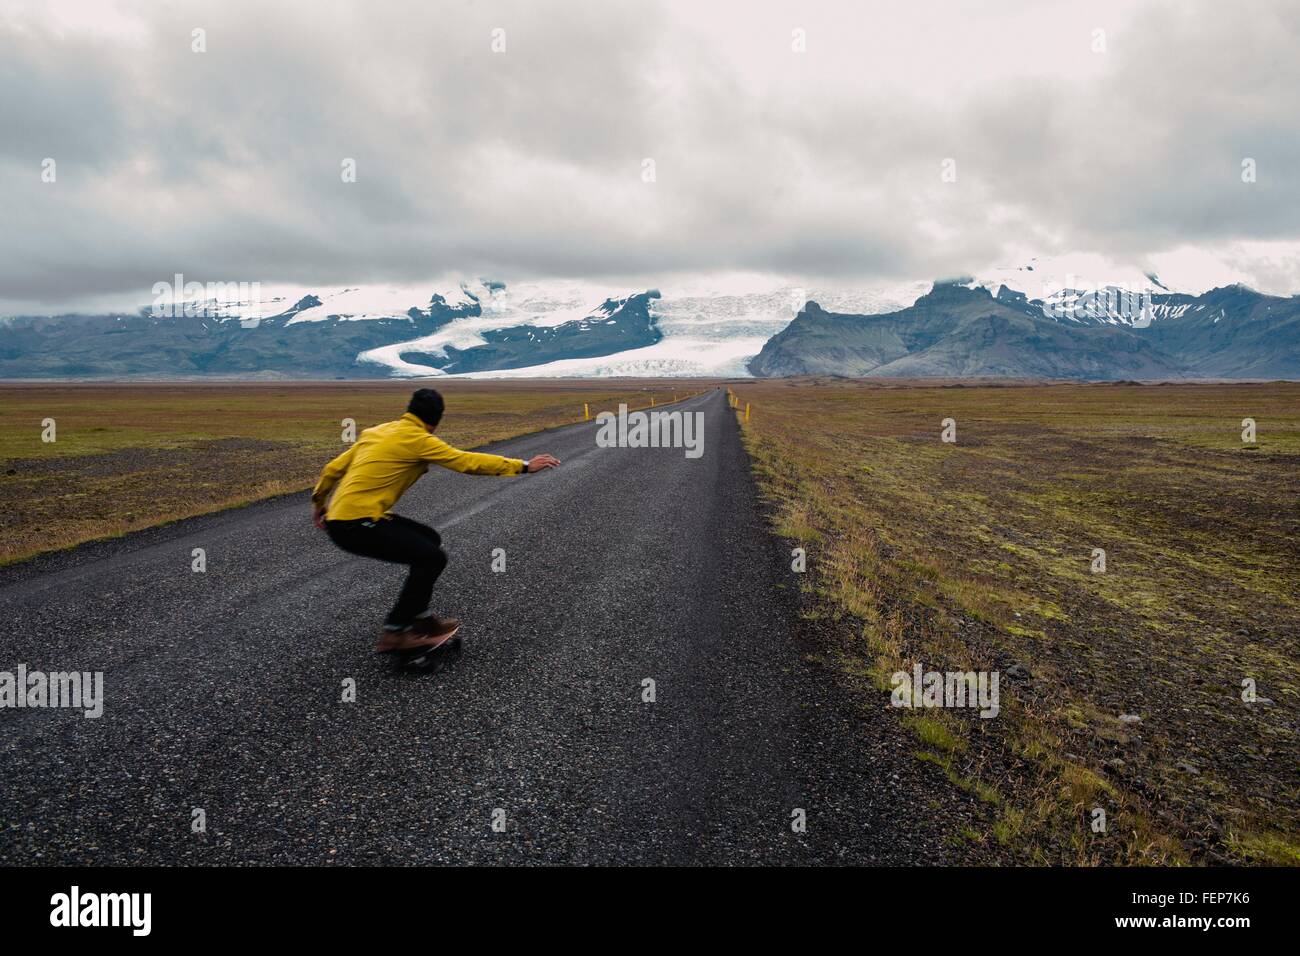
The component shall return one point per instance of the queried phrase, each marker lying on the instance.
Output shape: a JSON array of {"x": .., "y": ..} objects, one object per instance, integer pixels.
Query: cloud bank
[{"x": 807, "y": 139}]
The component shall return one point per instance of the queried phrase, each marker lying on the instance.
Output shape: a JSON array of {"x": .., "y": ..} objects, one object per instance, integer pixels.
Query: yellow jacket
[{"x": 369, "y": 477}]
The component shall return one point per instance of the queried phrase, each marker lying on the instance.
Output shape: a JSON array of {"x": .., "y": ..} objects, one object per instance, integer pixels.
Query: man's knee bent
[{"x": 435, "y": 561}]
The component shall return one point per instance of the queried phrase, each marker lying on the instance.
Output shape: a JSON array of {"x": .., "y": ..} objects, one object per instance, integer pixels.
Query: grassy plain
[
  {"x": 126, "y": 456},
  {"x": 1121, "y": 690}
]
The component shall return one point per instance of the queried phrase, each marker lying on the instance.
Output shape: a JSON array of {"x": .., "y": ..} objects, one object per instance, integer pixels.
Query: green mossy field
[
  {"x": 127, "y": 456},
  {"x": 1129, "y": 685}
]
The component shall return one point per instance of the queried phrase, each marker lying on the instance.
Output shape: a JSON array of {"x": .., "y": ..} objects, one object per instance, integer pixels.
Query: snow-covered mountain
[
  {"x": 478, "y": 328},
  {"x": 961, "y": 329},
  {"x": 725, "y": 325},
  {"x": 705, "y": 329}
]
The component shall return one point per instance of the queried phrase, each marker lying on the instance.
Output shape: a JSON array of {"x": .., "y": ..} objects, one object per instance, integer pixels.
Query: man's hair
[{"x": 427, "y": 405}]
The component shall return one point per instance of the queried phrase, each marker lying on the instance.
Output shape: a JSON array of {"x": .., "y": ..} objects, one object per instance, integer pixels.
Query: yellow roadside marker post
[
  {"x": 586, "y": 413},
  {"x": 747, "y": 411}
]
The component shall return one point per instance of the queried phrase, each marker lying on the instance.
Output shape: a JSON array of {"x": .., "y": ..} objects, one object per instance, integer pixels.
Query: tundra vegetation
[
  {"x": 126, "y": 456},
  {"x": 1122, "y": 689}
]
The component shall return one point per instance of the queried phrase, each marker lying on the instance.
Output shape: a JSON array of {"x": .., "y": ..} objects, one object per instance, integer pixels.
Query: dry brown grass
[
  {"x": 132, "y": 455},
  {"x": 976, "y": 555}
]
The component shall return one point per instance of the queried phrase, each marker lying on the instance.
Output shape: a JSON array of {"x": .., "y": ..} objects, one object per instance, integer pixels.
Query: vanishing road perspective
[{"x": 546, "y": 742}]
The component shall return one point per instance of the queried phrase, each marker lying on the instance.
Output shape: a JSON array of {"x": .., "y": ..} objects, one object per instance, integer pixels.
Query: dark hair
[{"x": 427, "y": 405}]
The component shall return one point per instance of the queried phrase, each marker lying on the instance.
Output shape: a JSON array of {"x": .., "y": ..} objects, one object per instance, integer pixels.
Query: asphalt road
[{"x": 223, "y": 690}]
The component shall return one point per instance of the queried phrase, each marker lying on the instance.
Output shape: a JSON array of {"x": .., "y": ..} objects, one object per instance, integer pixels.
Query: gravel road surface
[{"x": 223, "y": 690}]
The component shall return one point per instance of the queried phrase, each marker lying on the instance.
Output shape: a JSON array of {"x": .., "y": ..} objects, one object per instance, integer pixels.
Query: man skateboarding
[{"x": 366, "y": 481}]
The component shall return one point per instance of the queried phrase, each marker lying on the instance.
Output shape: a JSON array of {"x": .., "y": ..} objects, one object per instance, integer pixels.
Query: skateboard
[{"x": 431, "y": 659}]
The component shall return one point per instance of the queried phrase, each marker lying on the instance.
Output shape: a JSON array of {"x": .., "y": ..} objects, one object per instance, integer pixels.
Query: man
[{"x": 366, "y": 481}]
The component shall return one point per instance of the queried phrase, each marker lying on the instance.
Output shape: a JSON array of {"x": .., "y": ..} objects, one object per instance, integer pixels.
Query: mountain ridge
[
  {"x": 961, "y": 327},
  {"x": 960, "y": 330}
]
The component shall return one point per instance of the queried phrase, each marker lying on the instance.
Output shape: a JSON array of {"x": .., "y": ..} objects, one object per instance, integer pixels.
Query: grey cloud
[{"x": 225, "y": 165}]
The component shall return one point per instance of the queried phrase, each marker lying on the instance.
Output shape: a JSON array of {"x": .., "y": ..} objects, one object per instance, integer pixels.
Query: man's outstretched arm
[{"x": 438, "y": 452}]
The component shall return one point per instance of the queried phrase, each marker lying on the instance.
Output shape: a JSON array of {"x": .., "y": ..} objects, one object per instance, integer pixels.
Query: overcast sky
[{"x": 225, "y": 165}]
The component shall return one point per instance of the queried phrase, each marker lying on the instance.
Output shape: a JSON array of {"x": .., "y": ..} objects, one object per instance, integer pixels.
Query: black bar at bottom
[{"x": 209, "y": 905}]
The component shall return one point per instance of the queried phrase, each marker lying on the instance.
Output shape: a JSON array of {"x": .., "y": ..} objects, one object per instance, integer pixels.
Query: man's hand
[
  {"x": 540, "y": 462},
  {"x": 318, "y": 516}
]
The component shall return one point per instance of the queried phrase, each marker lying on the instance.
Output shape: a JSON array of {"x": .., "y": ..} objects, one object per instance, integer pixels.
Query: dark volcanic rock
[
  {"x": 956, "y": 331},
  {"x": 144, "y": 344},
  {"x": 616, "y": 326}
]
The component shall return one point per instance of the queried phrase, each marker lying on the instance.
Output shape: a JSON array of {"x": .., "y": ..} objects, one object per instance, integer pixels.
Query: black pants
[{"x": 401, "y": 541}]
